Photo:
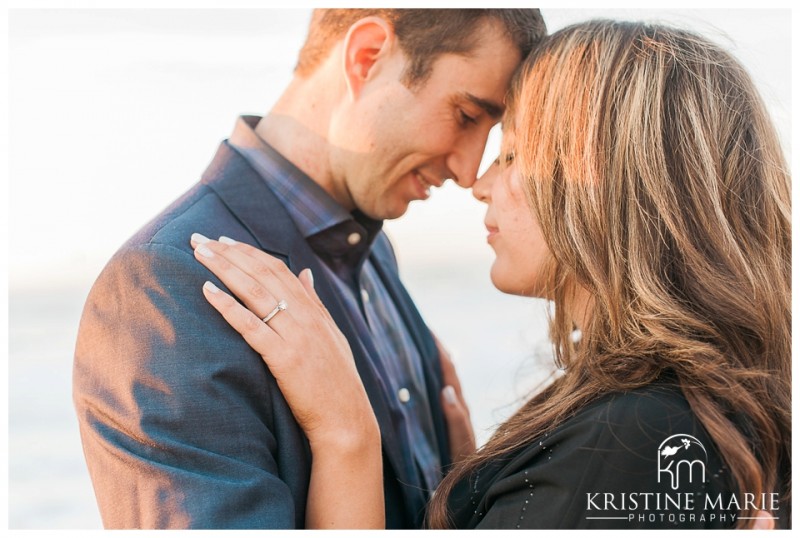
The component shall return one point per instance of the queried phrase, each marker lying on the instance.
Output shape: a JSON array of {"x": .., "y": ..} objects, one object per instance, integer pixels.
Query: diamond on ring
[{"x": 280, "y": 306}]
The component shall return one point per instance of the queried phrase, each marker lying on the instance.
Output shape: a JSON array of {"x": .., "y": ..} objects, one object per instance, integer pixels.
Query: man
[{"x": 182, "y": 424}]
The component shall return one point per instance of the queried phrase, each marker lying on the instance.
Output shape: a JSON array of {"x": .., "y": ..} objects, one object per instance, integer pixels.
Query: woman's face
[{"x": 514, "y": 232}]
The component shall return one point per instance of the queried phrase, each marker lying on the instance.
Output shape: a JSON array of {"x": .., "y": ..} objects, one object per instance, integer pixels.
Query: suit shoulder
[{"x": 197, "y": 210}]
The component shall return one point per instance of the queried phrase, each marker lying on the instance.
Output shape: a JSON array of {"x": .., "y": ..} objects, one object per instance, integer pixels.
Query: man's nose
[{"x": 465, "y": 159}]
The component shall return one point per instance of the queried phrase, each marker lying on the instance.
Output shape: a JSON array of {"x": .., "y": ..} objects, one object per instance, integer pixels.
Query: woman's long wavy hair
[{"x": 660, "y": 186}]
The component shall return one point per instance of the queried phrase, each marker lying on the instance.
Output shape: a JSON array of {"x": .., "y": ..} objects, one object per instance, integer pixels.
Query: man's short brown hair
[{"x": 423, "y": 34}]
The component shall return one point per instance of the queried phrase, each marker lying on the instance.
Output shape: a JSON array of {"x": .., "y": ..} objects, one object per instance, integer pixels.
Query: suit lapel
[{"x": 248, "y": 197}]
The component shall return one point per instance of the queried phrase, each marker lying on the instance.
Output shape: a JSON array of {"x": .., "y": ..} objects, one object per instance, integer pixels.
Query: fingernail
[
  {"x": 310, "y": 277},
  {"x": 204, "y": 251},
  {"x": 209, "y": 286},
  {"x": 449, "y": 394},
  {"x": 200, "y": 239},
  {"x": 226, "y": 240}
]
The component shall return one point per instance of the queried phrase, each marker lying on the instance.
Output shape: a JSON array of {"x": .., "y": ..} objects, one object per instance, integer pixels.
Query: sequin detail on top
[
  {"x": 472, "y": 500},
  {"x": 529, "y": 485},
  {"x": 525, "y": 505}
]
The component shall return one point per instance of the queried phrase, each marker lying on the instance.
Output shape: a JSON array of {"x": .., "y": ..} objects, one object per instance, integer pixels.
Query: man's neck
[{"x": 297, "y": 128}]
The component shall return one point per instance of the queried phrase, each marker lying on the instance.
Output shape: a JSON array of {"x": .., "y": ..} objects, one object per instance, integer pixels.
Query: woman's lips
[{"x": 493, "y": 232}]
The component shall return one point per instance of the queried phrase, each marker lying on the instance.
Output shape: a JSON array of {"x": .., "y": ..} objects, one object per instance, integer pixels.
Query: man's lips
[{"x": 425, "y": 183}]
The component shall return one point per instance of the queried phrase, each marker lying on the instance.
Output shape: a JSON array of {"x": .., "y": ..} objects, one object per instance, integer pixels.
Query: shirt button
[
  {"x": 354, "y": 238},
  {"x": 404, "y": 395},
  {"x": 364, "y": 295}
]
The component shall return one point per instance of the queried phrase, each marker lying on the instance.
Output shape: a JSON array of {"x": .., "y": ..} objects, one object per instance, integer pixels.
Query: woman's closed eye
[{"x": 505, "y": 159}]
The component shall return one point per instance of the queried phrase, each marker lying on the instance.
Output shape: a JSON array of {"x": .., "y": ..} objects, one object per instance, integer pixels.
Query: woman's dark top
[{"x": 639, "y": 459}]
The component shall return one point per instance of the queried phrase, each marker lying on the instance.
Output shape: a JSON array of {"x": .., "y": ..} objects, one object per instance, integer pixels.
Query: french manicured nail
[
  {"x": 209, "y": 286},
  {"x": 449, "y": 394},
  {"x": 310, "y": 277},
  {"x": 226, "y": 240},
  {"x": 200, "y": 239},
  {"x": 204, "y": 251}
]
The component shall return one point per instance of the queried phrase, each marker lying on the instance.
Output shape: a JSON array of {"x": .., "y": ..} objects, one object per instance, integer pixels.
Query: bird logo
[{"x": 682, "y": 457}]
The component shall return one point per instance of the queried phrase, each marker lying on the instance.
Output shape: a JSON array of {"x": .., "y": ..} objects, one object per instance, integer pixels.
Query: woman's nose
[{"x": 482, "y": 188}]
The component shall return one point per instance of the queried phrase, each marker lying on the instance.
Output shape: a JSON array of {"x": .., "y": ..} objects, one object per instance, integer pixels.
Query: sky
[{"x": 114, "y": 113}]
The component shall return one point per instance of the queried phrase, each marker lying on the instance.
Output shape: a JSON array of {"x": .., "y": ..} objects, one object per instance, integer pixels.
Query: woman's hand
[
  {"x": 305, "y": 351},
  {"x": 456, "y": 413},
  {"x": 313, "y": 365}
]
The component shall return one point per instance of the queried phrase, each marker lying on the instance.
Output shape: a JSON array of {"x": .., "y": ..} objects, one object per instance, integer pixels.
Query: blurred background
[{"x": 114, "y": 113}]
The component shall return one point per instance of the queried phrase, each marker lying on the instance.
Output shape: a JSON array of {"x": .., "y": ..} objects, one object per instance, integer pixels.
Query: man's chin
[
  {"x": 388, "y": 213},
  {"x": 396, "y": 214}
]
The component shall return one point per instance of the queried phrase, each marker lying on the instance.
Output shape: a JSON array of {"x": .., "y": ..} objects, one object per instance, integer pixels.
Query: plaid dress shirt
[{"x": 342, "y": 241}]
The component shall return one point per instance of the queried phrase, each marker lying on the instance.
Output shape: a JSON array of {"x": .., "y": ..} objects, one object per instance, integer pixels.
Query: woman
[{"x": 643, "y": 191}]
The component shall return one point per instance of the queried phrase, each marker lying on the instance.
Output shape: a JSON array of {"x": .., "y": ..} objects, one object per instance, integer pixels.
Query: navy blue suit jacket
[{"x": 183, "y": 425}]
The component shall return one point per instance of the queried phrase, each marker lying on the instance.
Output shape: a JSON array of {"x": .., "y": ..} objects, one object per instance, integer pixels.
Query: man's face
[{"x": 395, "y": 142}]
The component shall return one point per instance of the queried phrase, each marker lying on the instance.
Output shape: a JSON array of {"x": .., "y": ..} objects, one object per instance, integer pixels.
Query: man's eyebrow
[{"x": 495, "y": 110}]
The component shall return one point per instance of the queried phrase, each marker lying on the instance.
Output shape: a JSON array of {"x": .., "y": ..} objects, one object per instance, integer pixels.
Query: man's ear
[{"x": 367, "y": 43}]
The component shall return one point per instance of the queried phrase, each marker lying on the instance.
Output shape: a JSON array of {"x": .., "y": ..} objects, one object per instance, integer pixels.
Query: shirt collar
[{"x": 329, "y": 228}]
